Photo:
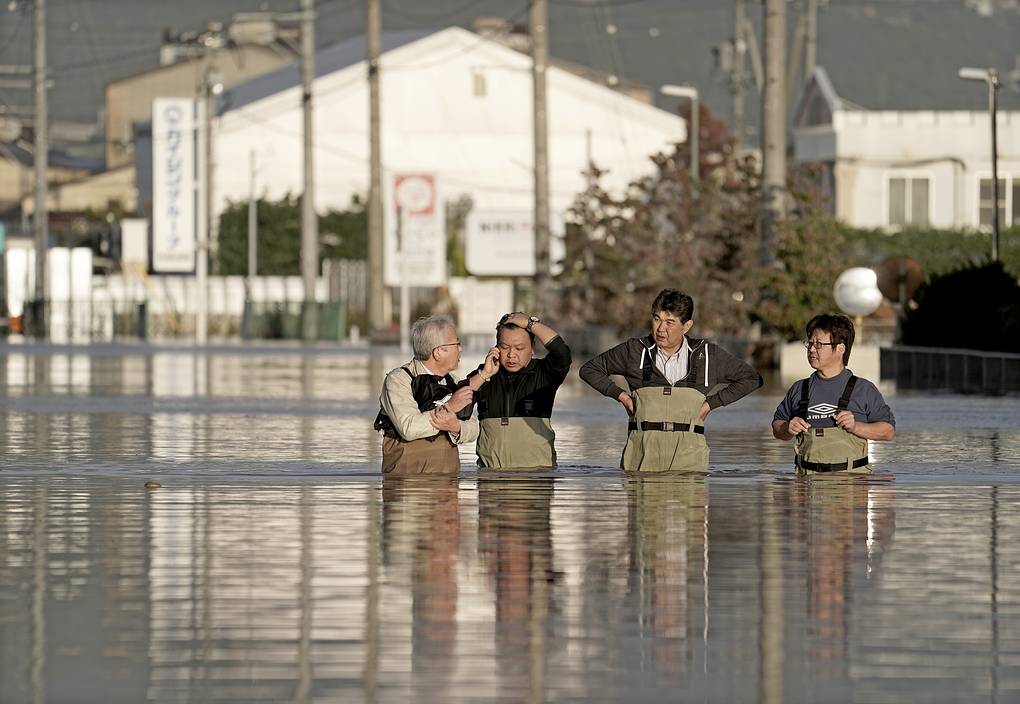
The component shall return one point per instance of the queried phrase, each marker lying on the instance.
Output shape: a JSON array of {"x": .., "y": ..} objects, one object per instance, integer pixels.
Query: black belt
[
  {"x": 831, "y": 466},
  {"x": 666, "y": 427}
]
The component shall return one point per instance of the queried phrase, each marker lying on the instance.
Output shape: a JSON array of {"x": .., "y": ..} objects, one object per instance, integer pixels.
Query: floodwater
[{"x": 274, "y": 565}]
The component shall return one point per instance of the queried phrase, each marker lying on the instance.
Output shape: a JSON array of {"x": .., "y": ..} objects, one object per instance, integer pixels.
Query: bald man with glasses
[{"x": 425, "y": 413}]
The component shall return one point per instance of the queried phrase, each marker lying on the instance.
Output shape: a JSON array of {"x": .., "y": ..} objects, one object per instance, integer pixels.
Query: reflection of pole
[
  {"x": 405, "y": 303},
  {"x": 539, "y": 26},
  {"x": 770, "y": 643},
  {"x": 994, "y": 560},
  {"x": 370, "y": 672},
  {"x": 40, "y": 558},
  {"x": 40, "y": 220},
  {"x": 309, "y": 221},
  {"x": 376, "y": 290},
  {"x": 304, "y": 654}
]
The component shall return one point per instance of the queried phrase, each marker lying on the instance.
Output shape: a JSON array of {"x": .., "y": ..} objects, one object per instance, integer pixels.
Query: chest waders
[
  {"x": 516, "y": 443},
  {"x": 823, "y": 450},
  {"x": 665, "y": 433},
  {"x": 434, "y": 455}
]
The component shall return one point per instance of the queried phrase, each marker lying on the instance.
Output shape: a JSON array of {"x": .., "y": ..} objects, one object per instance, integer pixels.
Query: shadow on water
[{"x": 275, "y": 565}]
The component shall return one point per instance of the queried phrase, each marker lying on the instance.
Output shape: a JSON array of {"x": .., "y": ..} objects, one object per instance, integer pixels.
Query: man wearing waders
[
  {"x": 832, "y": 414},
  {"x": 514, "y": 406},
  {"x": 425, "y": 413},
  {"x": 675, "y": 382}
]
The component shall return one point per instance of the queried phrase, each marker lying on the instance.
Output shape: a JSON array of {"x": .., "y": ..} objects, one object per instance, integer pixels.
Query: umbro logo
[{"x": 822, "y": 409}]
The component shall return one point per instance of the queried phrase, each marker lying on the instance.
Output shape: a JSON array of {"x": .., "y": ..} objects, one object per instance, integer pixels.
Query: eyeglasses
[
  {"x": 448, "y": 344},
  {"x": 818, "y": 344}
]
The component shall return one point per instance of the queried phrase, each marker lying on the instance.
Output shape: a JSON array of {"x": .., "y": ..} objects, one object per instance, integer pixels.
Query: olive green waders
[
  {"x": 826, "y": 450},
  {"x": 666, "y": 432},
  {"x": 434, "y": 455},
  {"x": 516, "y": 443}
]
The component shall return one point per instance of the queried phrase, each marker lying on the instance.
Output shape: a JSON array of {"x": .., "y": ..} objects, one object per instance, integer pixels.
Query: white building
[
  {"x": 894, "y": 168},
  {"x": 454, "y": 104}
]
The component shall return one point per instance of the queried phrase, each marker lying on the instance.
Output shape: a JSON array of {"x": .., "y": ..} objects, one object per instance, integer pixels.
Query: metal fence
[{"x": 940, "y": 369}]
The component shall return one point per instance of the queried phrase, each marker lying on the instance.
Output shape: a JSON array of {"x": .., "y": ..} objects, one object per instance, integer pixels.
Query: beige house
[{"x": 129, "y": 100}]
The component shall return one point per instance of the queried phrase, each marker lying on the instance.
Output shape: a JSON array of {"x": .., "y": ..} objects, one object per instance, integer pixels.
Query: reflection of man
[
  {"x": 515, "y": 405},
  {"x": 515, "y": 544},
  {"x": 832, "y": 413},
  {"x": 421, "y": 522},
  {"x": 425, "y": 413},
  {"x": 676, "y": 381},
  {"x": 843, "y": 529},
  {"x": 667, "y": 525}
]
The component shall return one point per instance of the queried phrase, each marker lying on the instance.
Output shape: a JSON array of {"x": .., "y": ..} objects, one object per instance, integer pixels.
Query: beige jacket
[{"x": 398, "y": 403}]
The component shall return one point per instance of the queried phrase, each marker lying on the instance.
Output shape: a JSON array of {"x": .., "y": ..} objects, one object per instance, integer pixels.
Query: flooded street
[{"x": 275, "y": 565}]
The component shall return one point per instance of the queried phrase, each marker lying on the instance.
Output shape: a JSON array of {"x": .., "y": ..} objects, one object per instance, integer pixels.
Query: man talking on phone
[{"x": 516, "y": 402}]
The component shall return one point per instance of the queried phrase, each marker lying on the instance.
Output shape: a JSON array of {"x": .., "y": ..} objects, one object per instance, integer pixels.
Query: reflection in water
[
  {"x": 507, "y": 590},
  {"x": 515, "y": 545},
  {"x": 668, "y": 527}
]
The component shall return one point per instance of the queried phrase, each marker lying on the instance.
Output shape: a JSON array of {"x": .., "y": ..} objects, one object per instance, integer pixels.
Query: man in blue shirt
[{"x": 832, "y": 414}]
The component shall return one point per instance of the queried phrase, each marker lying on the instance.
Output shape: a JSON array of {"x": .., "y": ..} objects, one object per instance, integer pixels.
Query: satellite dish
[
  {"x": 899, "y": 277},
  {"x": 856, "y": 291}
]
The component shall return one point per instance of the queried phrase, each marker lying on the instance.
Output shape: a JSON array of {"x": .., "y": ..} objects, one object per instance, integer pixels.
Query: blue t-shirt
[{"x": 866, "y": 402}]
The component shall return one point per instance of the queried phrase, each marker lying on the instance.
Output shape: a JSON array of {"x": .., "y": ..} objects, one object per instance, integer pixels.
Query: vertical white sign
[
  {"x": 415, "y": 234},
  {"x": 173, "y": 185}
]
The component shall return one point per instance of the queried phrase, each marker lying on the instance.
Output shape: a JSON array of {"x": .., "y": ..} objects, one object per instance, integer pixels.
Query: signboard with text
[
  {"x": 415, "y": 233},
  {"x": 173, "y": 185},
  {"x": 502, "y": 243}
]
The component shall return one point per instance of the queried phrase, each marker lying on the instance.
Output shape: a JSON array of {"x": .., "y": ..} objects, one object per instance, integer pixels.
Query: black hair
[
  {"x": 512, "y": 326},
  {"x": 671, "y": 300},
  {"x": 839, "y": 327}
]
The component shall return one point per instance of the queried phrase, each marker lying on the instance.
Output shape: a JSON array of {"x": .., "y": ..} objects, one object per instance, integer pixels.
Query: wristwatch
[{"x": 531, "y": 321}]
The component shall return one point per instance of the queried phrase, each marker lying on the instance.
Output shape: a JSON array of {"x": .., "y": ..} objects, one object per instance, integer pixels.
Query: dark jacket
[
  {"x": 529, "y": 393},
  {"x": 712, "y": 370}
]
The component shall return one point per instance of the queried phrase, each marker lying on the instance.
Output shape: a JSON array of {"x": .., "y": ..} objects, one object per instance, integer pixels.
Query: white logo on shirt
[{"x": 822, "y": 410}]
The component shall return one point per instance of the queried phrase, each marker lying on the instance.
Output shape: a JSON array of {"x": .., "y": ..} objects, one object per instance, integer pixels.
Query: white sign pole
[{"x": 405, "y": 303}]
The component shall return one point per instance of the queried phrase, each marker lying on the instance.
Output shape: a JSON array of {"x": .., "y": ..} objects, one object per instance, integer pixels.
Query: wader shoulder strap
[
  {"x": 647, "y": 364},
  {"x": 409, "y": 372},
  {"x": 844, "y": 400},
  {"x": 802, "y": 407}
]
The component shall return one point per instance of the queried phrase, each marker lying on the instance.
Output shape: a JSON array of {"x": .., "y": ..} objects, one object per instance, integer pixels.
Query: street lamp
[
  {"x": 990, "y": 77},
  {"x": 691, "y": 93}
]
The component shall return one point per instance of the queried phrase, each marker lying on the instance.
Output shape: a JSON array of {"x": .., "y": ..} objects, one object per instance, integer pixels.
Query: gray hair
[{"x": 427, "y": 334}]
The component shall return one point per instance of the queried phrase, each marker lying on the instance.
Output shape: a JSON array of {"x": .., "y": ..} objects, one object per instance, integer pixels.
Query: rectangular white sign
[
  {"x": 173, "y": 185},
  {"x": 415, "y": 233},
  {"x": 502, "y": 243}
]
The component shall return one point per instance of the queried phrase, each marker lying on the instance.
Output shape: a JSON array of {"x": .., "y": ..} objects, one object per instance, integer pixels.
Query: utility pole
[
  {"x": 737, "y": 76},
  {"x": 253, "y": 228},
  {"x": 309, "y": 220},
  {"x": 205, "y": 210},
  {"x": 41, "y": 217},
  {"x": 538, "y": 22},
  {"x": 773, "y": 125},
  {"x": 811, "y": 38},
  {"x": 376, "y": 289}
]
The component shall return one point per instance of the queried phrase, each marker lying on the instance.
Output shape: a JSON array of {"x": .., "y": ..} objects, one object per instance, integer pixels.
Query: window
[
  {"x": 908, "y": 201},
  {"x": 985, "y": 197}
]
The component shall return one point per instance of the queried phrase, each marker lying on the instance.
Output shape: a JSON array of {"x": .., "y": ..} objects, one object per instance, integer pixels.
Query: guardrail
[{"x": 946, "y": 369}]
